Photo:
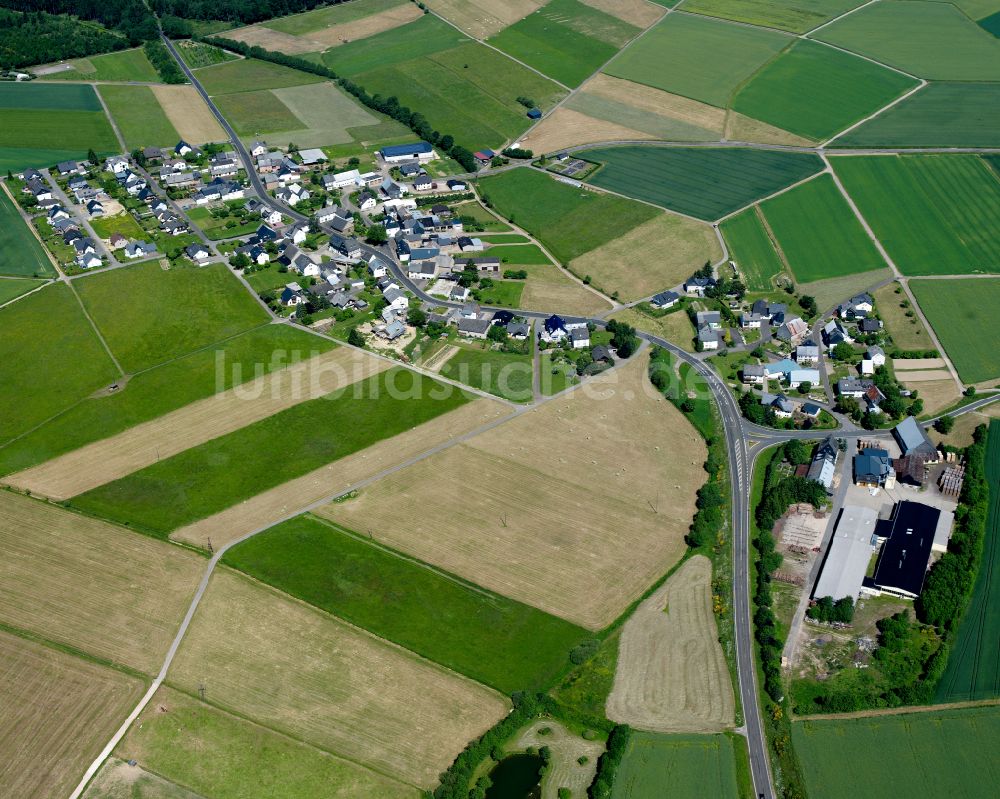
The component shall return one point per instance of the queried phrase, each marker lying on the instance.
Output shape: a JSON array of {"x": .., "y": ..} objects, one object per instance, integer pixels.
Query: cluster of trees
[
  {"x": 389, "y": 106},
  {"x": 164, "y": 63},
  {"x": 132, "y": 18},
  {"x": 518, "y": 152},
  {"x": 36, "y": 37},
  {"x": 827, "y": 610},
  {"x": 527, "y": 102},
  {"x": 455, "y": 781},
  {"x": 753, "y": 411},
  {"x": 623, "y": 338},
  {"x": 235, "y": 10},
  {"x": 607, "y": 765}
]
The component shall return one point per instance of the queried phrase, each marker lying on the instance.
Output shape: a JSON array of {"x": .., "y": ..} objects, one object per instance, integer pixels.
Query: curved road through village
[{"x": 742, "y": 455}]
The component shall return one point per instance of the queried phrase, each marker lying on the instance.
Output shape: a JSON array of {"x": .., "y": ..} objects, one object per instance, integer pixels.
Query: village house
[{"x": 197, "y": 252}]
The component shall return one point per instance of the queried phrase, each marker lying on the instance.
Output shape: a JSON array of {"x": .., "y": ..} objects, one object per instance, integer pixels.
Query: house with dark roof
[
  {"x": 473, "y": 328},
  {"x": 665, "y": 299},
  {"x": 554, "y": 329},
  {"x": 908, "y": 537},
  {"x": 873, "y": 468},
  {"x": 422, "y": 151},
  {"x": 823, "y": 467}
]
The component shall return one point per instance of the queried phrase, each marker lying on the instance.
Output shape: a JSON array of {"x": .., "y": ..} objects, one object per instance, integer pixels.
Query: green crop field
[
  {"x": 797, "y": 16},
  {"x": 961, "y": 313},
  {"x": 39, "y": 96},
  {"x": 125, "y": 65},
  {"x": 461, "y": 86},
  {"x": 928, "y": 39},
  {"x": 939, "y": 115},
  {"x": 253, "y": 113},
  {"x": 816, "y": 91},
  {"x": 973, "y": 670},
  {"x": 505, "y": 374},
  {"x": 567, "y": 220},
  {"x": 751, "y": 248},
  {"x": 251, "y": 74},
  {"x": 319, "y": 18},
  {"x": 228, "y": 757},
  {"x": 222, "y": 472},
  {"x": 565, "y": 39},
  {"x": 198, "y": 54},
  {"x": 161, "y": 390},
  {"x": 692, "y": 765},
  {"x": 706, "y": 183},
  {"x": 50, "y": 359},
  {"x": 148, "y": 315},
  {"x": 934, "y": 214},
  {"x": 11, "y": 288},
  {"x": 818, "y": 232},
  {"x": 490, "y": 638},
  {"x": 932, "y": 754},
  {"x": 515, "y": 254},
  {"x": 139, "y": 116},
  {"x": 673, "y": 56},
  {"x": 20, "y": 252}
]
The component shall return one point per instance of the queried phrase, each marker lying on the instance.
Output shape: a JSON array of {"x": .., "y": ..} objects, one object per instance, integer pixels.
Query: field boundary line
[
  {"x": 60, "y": 275},
  {"x": 48, "y": 282},
  {"x": 839, "y": 17},
  {"x": 97, "y": 332},
  {"x": 111, "y": 119},
  {"x": 898, "y": 711},
  {"x": 922, "y": 85},
  {"x": 771, "y": 196}
]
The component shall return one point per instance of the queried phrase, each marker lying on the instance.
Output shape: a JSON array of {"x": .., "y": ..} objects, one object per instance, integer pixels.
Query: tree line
[
  {"x": 36, "y": 37},
  {"x": 164, "y": 63},
  {"x": 389, "y": 106},
  {"x": 131, "y": 18},
  {"x": 242, "y": 11}
]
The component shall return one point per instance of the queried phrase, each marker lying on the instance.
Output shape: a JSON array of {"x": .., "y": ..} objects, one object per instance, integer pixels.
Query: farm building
[
  {"x": 534, "y": 113},
  {"x": 849, "y": 553},
  {"x": 398, "y": 153},
  {"x": 873, "y": 468},
  {"x": 909, "y": 536},
  {"x": 913, "y": 440}
]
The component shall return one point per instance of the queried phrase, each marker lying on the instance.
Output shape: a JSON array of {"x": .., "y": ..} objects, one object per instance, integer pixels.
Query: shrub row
[{"x": 607, "y": 765}]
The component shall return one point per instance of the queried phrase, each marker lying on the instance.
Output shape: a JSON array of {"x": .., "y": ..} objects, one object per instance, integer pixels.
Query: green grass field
[
  {"x": 693, "y": 766},
  {"x": 505, "y": 374},
  {"x": 933, "y": 754},
  {"x": 139, "y": 116},
  {"x": 227, "y": 470},
  {"x": 672, "y": 55},
  {"x": 319, "y": 18},
  {"x": 253, "y": 113},
  {"x": 148, "y": 315},
  {"x": 50, "y": 358},
  {"x": 224, "y": 756},
  {"x": 163, "y": 389},
  {"x": 20, "y": 252},
  {"x": 961, "y": 313},
  {"x": 818, "y": 232},
  {"x": 124, "y": 223},
  {"x": 706, "y": 183},
  {"x": 198, "y": 54},
  {"x": 751, "y": 248},
  {"x": 215, "y": 227},
  {"x": 515, "y": 254},
  {"x": 12, "y": 288},
  {"x": 934, "y": 214},
  {"x": 660, "y": 126},
  {"x": 40, "y": 96},
  {"x": 797, "y": 16},
  {"x": 462, "y": 87},
  {"x": 125, "y": 65},
  {"x": 504, "y": 293},
  {"x": 251, "y": 74},
  {"x": 939, "y": 115},
  {"x": 973, "y": 670},
  {"x": 815, "y": 91},
  {"x": 565, "y": 39},
  {"x": 928, "y": 39},
  {"x": 567, "y": 220},
  {"x": 331, "y": 116},
  {"x": 487, "y": 637}
]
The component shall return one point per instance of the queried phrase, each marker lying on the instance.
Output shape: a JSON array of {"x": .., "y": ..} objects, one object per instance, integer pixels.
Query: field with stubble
[
  {"x": 189, "y": 114},
  {"x": 671, "y": 674},
  {"x": 57, "y": 713},
  {"x": 341, "y": 689},
  {"x": 99, "y": 588},
  {"x": 557, "y": 508}
]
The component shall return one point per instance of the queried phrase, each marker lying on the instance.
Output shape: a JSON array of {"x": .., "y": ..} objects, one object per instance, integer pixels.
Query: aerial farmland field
[
  {"x": 567, "y": 220},
  {"x": 125, "y": 65},
  {"x": 20, "y": 253},
  {"x": 927, "y": 39},
  {"x": 222, "y": 755},
  {"x": 902, "y": 753},
  {"x": 251, "y": 74},
  {"x": 959, "y": 311},
  {"x": 483, "y": 18},
  {"x": 818, "y": 232},
  {"x": 688, "y": 180},
  {"x": 752, "y": 250},
  {"x": 815, "y": 91},
  {"x": 487, "y": 637},
  {"x": 693, "y": 766},
  {"x": 934, "y": 214},
  {"x": 974, "y": 666},
  {"x": 139, "y": 116},
  {"x": 669, "y": 56},
  {"x": 14, "y": 287},
  {"x": 797, "y": 16},
  {"x": 505, "y": 374},
  {"x": 565, "y": 39},
  {"x": 939, "y": 115}
]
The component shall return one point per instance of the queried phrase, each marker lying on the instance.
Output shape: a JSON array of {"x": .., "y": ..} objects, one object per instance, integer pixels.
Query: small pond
[{"x": 516, "y": 777}]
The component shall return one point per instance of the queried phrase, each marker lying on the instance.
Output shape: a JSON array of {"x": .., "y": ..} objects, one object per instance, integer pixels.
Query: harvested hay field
[
  {"x": 674, "y": 327},
  {"x": 671, "y": 674},
  {"x": 917, "y": 364},
  {"x": 550, "y": 287},
  {"x": 189, "y": 114},
  {"x": 560, "y": 513},
  {"x": 655, "y": 255},
  {"x": 362, "y": 28},
  {"x": 270, "y": 39},
  {"x": 273, "y": 505},
  {"x": 565, "y": 127},
  {"x": 483, "y": 18},
  {"x": 908, "y": 332},
  {"x": 112, "y": 593},
  {"x": 637, "y": 12},
  {"x": 923, "y": 375},
  {"x": 744, "y": 128},
  {"x": 58, "y": 711},
  {"x": 140, "y": 446},
  {"x": 302, "y": 672},
  {"x": 832, "y": 290},
  {"x": 326, "y": 113},
  {"x": 937, "y": 394}
]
